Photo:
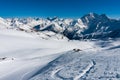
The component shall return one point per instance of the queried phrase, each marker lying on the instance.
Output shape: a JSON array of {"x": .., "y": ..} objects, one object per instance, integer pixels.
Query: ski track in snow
[
  {"x": 54, "y": 72},
  {"x": 26, "y": 75},
  {"x": 85, "y": 71}
]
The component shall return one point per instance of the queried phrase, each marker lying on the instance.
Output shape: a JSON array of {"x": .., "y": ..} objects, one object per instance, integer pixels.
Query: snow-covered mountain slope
[
  {"x": 3, "y": 23},
  {"x": 22, "y": 54},
  {"x": 25, "y": 57},
  {"x": 101, "y": 65},
  {"x": 100, "y": 26}
]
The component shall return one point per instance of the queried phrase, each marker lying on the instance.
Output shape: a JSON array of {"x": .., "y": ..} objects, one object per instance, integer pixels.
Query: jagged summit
[
  {"x": 91, "y": 15},
  {"x": 88, "y": 18},
  {"x": 52, "y": 19}
]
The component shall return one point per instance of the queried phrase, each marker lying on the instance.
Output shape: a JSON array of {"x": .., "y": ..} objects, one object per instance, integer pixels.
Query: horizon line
[{"x": 71, "y": 17}]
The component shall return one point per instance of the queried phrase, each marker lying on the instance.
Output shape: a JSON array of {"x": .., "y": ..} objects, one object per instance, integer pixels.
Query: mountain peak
[
  {"x": 93, "y": 14},
  {"x": 104, "y": 16},
  {"x": 52, "y": 19}
]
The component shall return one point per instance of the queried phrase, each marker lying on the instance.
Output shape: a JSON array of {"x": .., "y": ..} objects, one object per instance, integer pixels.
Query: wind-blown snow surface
[{"x": 25, "y": 54}]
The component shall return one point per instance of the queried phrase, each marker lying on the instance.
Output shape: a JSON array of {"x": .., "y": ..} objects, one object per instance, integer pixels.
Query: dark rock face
[
  {"x": 52, "y": 19},
  {"x": 36, "y": 28},
  {"x": 51, "y": 27}
]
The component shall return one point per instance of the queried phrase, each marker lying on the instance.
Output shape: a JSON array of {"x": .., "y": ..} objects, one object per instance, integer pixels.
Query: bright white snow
[{"x": 25, "y": 53}]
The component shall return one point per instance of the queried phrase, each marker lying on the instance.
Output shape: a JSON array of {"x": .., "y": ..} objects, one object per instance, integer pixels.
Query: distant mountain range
[{"x": 90, "y": 26}]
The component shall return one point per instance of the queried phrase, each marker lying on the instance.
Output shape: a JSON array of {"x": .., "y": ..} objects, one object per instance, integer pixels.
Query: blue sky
[{"x": 60, "y": 8}]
